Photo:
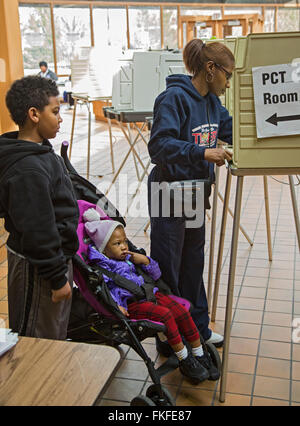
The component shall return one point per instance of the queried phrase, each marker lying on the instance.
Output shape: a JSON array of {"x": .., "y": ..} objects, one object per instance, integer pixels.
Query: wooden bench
[{"x": 48, "y": 372}]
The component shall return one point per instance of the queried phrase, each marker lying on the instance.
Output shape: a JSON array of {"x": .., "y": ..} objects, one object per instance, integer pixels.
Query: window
[
  {"x": 36, "y": 33},
  {"x": 203, "y": 32},
  {"x": 215, "y": 12},
  {"x": 144, "y": 27},
  {"x": 110, "y": 27},
  {"x": 269, "y": 21},
  {"x": 170, "y": 22},
  {"x": 288, "y": 19},
  {"x": 72, "y": 31},
  {"x": 247, "y": 10}
]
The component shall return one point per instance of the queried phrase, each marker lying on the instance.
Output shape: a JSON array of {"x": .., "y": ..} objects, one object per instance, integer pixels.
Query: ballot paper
[{"x": 8, "y": 339}]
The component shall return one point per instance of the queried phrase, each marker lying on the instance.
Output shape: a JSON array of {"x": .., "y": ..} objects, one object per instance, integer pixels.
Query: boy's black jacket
[{"x": 39, "y": 206}]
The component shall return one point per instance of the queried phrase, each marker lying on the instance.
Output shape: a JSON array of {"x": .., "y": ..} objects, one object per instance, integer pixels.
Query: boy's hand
[
  {"x": 123, "y": 310},
  {"x": 63, "y": 293},
  {"x": 138, "y": 259}
]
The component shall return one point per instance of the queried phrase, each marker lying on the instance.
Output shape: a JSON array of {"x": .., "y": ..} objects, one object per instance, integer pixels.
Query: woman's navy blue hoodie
[{"x": 184, "y": 125}]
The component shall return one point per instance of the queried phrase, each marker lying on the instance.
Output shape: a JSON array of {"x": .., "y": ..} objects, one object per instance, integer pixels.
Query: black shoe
[
  {"x": 163, "y": 348},
  {"x": 192, "y": 369},
  {"x": 206, "y": 361}
]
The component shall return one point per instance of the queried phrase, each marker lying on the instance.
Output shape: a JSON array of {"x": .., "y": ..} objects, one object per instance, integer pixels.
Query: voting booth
[
  {"x": 91, "y": 71},
  {"x": 264, "y": 100},
  {"x": 234, "y": 44},
  {"x": 142, "y": 76}
]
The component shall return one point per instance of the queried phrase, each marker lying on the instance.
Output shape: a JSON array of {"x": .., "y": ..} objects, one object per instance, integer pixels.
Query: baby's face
[{"x": 117, "y": 246}]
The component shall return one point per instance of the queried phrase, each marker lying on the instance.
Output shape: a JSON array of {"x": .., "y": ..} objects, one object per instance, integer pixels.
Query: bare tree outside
[
  {"x": 170, "y": 21},
  {"x": 72, "y": 30},
  {"x": 144, "y": 27},
  {"x": 37, "y": 45}
]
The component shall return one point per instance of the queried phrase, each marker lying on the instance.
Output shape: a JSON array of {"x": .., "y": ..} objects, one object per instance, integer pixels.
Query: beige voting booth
[
  {"x": 263, "y": 50},
  {"x": 264, "y": 101},
  {"x": 227, "y": 101}
]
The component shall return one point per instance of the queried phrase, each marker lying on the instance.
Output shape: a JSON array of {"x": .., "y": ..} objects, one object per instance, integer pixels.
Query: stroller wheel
[
  {"x": 214, "y": 354},
  {"x": 154, "y": 393},
  {"x": 142, "y": 401}
]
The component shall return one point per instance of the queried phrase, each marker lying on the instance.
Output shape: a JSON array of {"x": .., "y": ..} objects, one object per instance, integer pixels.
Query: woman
[{"x": 187, "y": 121}]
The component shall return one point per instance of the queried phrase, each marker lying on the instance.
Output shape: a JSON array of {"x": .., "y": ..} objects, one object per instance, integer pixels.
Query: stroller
[{"x": 96, "y": 318}]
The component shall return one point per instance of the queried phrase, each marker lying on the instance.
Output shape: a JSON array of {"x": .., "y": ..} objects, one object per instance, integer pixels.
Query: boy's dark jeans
[{"x": 31, "y": 310}]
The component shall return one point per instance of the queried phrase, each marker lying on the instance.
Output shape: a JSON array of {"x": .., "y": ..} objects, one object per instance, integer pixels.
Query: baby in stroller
[
  {"x": 110, "y": 252},
  {"x": 96, "y": 317}
]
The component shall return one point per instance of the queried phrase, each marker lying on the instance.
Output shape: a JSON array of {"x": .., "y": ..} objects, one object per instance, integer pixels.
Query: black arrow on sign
[{"x": 274, "y": 119}]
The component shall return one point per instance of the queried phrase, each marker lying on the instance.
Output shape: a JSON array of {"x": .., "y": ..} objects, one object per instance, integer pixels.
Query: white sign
[
  {"x": 277, "y": 100},
  {"x": 234, "y": 23}
]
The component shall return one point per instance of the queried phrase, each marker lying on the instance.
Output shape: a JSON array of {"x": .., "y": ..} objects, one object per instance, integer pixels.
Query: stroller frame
[{"x": 102, "y": 317}]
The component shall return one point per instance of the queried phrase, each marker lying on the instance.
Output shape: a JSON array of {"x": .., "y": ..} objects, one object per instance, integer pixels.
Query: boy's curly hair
[{"x": 30, "y": 91}]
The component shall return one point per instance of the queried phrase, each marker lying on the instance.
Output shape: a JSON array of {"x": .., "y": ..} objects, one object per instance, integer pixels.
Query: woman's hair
[
  {"x": 196, "y": 53},
  {"x": 30, "y": 91}
]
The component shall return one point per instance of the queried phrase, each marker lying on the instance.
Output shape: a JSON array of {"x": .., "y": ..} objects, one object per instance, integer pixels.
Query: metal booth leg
[
  {"x": 221, "y": 245},
  {"x": 138, "y": 188},
  {"x": 212, "y": 238},
  {"x": 132, "y": 141},
  {"x": 73, "y": 126},
  {"x": 133, "y": 154},
  {"x": 266, "y": 193},
  {"x": 111, "y": 145},
  {"x": 147, "y": 226},
  {"x": 295, "y": 208},
  {"x": 232, "y": 266},
  {"x": 123, "y": 161},
  {"x": 241, "y": 227}
]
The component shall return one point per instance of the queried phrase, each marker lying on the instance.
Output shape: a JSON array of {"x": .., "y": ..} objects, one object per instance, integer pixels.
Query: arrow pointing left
[{"x": 274, "y": 119}]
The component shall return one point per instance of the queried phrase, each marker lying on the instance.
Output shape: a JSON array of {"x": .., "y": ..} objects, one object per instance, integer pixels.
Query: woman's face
[{"x": 221, "y": 77}]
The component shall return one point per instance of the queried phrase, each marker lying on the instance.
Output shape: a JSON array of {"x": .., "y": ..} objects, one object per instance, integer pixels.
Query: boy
[
  {"x": 45, "y": 72},
  {"x": 40, "y": 212}
]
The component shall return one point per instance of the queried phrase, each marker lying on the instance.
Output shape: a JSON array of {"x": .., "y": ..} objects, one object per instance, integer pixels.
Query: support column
[{"x": 11, "y": 58}]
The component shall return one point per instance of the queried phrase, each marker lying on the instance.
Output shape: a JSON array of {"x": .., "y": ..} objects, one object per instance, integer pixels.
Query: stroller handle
[
  {"x": 64, "y": 149},
  {"x": 64, "y": 154}
]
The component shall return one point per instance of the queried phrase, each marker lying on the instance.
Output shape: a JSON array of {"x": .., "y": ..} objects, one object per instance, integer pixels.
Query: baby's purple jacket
[{"x": 125, "y": 269}]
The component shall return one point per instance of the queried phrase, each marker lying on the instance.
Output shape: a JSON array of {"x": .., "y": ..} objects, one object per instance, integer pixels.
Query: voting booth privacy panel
[
  {"x": 264, "y": 100},
  {"x": 142, "y": 76},
  {"x": 89, "y": 71}
]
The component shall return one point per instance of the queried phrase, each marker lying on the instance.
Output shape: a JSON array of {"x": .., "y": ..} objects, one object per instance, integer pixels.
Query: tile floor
[{"x": 264, "y": 362}]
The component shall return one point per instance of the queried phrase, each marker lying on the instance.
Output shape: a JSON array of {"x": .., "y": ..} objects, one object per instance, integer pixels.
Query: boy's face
[
  {"x": 50, "y": 119},
  {"x": 43, "y": 68},
  {"x": 117, "y": 246}
]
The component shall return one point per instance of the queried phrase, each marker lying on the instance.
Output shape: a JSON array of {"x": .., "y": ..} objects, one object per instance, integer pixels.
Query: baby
[{"x": 110, "y": 251}]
